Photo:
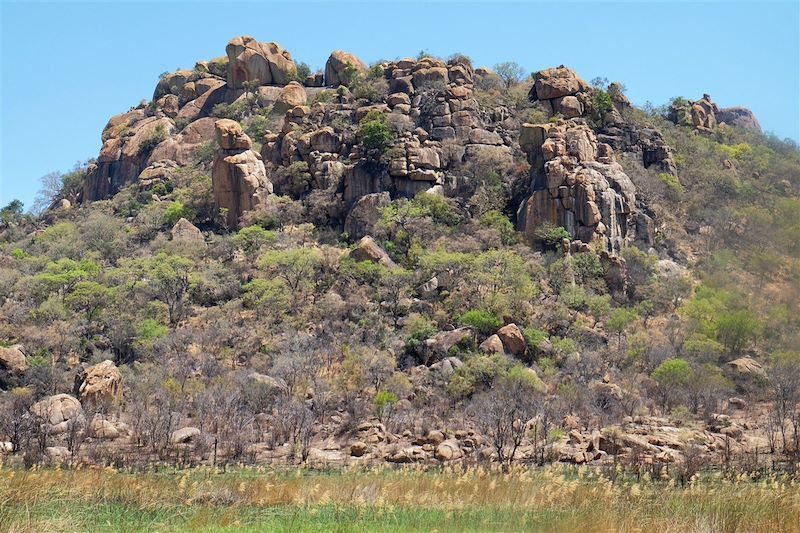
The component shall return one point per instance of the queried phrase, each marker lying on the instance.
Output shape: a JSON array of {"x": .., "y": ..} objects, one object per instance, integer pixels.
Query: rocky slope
[{"x": 368, "y": 263}]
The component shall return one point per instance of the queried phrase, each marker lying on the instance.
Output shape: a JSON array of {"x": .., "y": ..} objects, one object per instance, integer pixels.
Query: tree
[
  {"x": 168, "y": 278},
  {"x": 89, "y": 297},
  {"x": 252, "y": 238},
  {"x": 16, "y": 423},
  {"x": 673, "y": 376},
  {"x": 297, "y": 267},
  {"x": 619, "y": 320},
  {"x": 737, "y": 329},
  {"x": 62, "y": 276},
  {"x": 11, "y": 212},
  {"x": 375, "y": 133},
  {"x": 502, "y": 413},
  {"x": 266, "y": 296},
  {"x": 784, "y": 374},
  {"x": 510, "y": 72}
]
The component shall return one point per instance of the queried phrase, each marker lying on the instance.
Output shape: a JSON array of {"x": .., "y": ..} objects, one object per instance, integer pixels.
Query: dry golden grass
[{"x": 551, "y": 499}]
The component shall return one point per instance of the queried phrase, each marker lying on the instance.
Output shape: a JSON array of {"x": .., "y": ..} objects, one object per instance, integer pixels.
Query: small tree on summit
[{"x": 510, "y": 72}]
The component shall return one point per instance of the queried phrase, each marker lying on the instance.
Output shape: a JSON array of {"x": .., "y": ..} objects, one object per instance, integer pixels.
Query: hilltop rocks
[
  {"x": 238, "y": 177},
  {"x": 740, "y": 117},
  {"x": 291, "y": 96},
  {"x": 337, "y": 64},
  {"x": 12, "y": 359},
  {"x": 560, "y": 91},
  {"x": 100, "y": 384},
  {"x": 171, "y": 83},
  {"x": 249, "y": 60},
  {"x": 129, "y": 141},
  {"x": 703, "y": 114},
  {"x": 576, "y": 184},
  {"x": 181, "y": 148},
  {"x": 555, "y": 83}
]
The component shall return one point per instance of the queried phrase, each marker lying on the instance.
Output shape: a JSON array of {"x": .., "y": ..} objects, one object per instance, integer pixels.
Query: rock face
[
  {"x": 365, "y": 214},
  {"x": 337, "y": 64},
  {"x": 12, "y": 359},
  {"x": 266, "y": 63},
  {"x": 185, "y": 231},
  {"x": 57, "y": 411},
  {"x": 238, "y": 177},
  {"x": 740, "y": 117},
  {"x": 100, "y": 384},
  {"x": 576, "y": 184}
]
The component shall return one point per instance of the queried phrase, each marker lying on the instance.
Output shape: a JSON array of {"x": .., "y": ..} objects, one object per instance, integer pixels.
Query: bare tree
[{"x": 502, "y": 413}]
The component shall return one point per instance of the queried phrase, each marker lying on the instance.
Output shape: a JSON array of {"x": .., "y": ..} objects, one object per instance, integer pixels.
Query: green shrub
[
  {"x": 601, "y": 102},
  {"x": 551, "y": 235},
  {"x": 375, "y": 134},
  {"x": 500, "y": 222},
  {"x": 483, "y": 321},
  {"x": 674, "y": 187},
  {"x": 155, "y": 138},
  {"x": 176, "y": 211},
  {"x": 204, "y": 153},
  {"x": 573, "y": 296}
]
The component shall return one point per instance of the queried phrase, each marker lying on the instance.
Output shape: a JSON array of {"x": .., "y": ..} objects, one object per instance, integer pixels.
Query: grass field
[{"x": 552, "y": 499}]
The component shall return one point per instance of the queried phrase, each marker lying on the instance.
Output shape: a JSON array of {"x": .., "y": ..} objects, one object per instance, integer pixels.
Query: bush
[
  {"x": 601, "y": 102},
  {"x": 551, "y": 235},
  {"x": 155, "y": 138},
  {"x": 176, "y": 211},
  {"x": 500, "y": 222},
  {"x": 483, "y": 321},
  {"x": 204, "y": 153},
  {"x": 674, "y": 187},
  {"x": 375, "y": 134}
]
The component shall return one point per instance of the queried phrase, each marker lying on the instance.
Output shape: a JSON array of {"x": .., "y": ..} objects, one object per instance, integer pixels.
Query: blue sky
[{"x": 67, "y": 67}]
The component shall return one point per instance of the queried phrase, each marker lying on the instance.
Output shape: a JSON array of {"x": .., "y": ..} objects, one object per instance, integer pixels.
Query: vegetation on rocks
[{"x": 397, "y": 268}]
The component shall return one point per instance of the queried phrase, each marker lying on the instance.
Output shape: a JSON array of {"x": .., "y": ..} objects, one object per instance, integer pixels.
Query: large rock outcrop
[
  {"x": 740, "y": 117},
  {"x": 238, "y": 177},
  {"x": 576, "y": 184},
  {"x": 337, "y": 65},
  {"x": 99, "y": 385},
  {"x": 250, "y": 60}
]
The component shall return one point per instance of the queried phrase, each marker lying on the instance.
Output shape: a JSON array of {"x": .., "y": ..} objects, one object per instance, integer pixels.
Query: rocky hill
[{"x": 412, "y": 261}]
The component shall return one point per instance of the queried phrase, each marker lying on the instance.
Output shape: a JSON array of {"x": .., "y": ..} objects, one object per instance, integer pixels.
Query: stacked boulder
[
  {"x": 238, "y": 177},
  {"x": 561, "y": 92},
  {"x": 577, "y": 184},
  {"x": 704, "y": 116},
  {"x": 250, "y": 60}
]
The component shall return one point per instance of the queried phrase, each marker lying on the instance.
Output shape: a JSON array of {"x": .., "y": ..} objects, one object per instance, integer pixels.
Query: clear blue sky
[{"x": 68, "y": 67}]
